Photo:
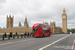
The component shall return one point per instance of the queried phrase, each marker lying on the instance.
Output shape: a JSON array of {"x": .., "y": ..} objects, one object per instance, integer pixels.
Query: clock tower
[{"x": 64, "y": 22}]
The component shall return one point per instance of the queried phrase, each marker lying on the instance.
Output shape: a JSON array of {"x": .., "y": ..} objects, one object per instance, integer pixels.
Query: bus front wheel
[
  {"x": 49, "y": 34},
  {"x": 43, "y": 35}
]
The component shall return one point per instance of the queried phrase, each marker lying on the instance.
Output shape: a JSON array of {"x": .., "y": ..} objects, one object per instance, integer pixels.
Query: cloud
[
  {"x": 37, "y": 11},
  {"x": 2, "y": 1}
]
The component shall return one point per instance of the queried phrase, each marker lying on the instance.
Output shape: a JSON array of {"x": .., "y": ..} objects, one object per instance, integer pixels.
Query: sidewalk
[{"x": 7, "y": 38}]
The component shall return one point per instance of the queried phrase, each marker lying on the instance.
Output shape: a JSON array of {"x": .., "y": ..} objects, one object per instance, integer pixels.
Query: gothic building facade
[
  {"x": 55, "y": 29},
  {"x": 9, "y": 26}
]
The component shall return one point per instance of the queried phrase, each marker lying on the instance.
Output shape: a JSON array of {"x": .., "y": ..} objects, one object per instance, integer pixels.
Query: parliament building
[{"x": 54, "y": 29}]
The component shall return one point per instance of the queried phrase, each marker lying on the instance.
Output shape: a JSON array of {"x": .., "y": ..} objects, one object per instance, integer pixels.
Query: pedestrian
[
  {"x": 28, "y": 34},
  {"x": 16, "y": 33},
  {"x": 5, "y": 35},
  {"x": 22, "y": 34},
  {"x": 25, "y": 34},
  {"x": 11, "y": 34},
  {"x": 31, "y": 34}
]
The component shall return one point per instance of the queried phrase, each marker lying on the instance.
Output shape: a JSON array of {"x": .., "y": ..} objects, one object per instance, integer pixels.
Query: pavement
[{"x": 54, "y": 42}]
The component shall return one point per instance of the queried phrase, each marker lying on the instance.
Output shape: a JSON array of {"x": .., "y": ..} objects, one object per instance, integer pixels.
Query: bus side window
[
  {"x": 37, "y": 27},
  {"x": 42, "y": 31}
]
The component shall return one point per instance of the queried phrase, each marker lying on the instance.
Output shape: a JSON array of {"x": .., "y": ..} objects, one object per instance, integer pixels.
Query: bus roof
[{"x": 36, "y": 24}]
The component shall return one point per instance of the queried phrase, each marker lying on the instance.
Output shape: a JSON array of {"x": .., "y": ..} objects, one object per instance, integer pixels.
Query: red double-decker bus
[{"x": 41, "y": 30}]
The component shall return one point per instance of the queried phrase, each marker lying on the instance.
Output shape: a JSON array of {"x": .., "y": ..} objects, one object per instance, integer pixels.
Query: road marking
[
  {"x": 73, "y": 45},
  {"x": 31, "y": 42},
  {"x": 16, "y": 42},
  {"x": 53, "y": 43}
]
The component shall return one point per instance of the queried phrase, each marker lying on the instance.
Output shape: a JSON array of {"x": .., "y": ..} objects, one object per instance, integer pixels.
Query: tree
[{"x": 71, "y": 30}]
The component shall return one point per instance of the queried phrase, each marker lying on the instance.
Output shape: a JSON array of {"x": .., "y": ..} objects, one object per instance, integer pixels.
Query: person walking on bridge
[
  {"x": 25, "y": 34},
  {"x": 5, "y": 35},
  {"x": 31, "y": 34},
  {"x": 28, "y": 34}
]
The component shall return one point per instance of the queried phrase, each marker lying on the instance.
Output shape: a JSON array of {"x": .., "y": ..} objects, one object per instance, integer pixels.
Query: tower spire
[
  {"x": 26, "y": 23},
  {"x": 9, "y": 22},
  {"x": 26, "y": 20},
  {"x": 64, "y": 12}
]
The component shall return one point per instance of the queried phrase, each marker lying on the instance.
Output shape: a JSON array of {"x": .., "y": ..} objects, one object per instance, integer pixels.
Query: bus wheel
[
  {"x": 49, "y": 34},
  {"x": 43, "y": 35}
]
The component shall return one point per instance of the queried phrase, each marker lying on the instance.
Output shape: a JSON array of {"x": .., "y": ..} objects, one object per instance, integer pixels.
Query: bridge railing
[{"x": 14, "y": 36}]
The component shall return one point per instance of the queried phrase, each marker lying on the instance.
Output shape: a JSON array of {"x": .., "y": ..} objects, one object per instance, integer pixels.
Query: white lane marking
[
  {"x": 16, "y": 42},
  {"x": 53, "y": 43},
  {"x": 31, "y": 42}
]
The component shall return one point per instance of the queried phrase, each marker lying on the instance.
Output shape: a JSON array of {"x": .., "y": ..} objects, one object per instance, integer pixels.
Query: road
[{"x": 54, "y": 42}]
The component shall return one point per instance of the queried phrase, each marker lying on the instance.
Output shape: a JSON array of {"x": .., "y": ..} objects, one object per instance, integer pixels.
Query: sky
[{"x": 37, "y": 11}]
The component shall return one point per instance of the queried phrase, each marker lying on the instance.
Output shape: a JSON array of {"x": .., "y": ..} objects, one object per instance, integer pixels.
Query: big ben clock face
[{"x": 63, "y": 16}]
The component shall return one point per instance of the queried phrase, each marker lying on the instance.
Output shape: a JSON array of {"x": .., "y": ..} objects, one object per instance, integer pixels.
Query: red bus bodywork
[{"x": 41, "y": 30}]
